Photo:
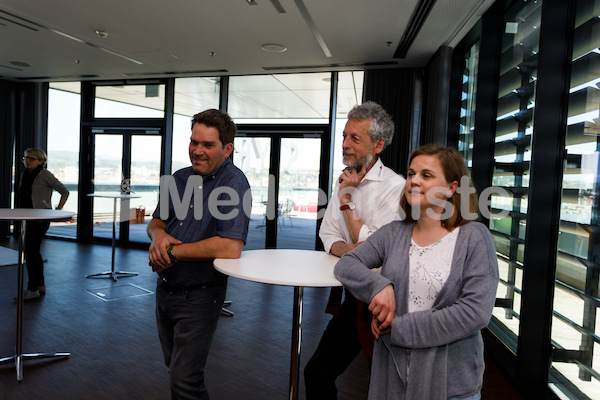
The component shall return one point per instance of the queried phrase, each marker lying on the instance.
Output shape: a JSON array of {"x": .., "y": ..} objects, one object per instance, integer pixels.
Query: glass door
[
  {"x": 251, "y": 155},
  {"x": 298, "y": 193},
  {"x": 125, "y": 162},
  {"x": 285, "y": 172},
  {"x": 108, "y": 175}
]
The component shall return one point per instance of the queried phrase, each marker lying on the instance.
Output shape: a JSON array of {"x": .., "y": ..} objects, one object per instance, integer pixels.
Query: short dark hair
[{"x": 214, "y": 118}]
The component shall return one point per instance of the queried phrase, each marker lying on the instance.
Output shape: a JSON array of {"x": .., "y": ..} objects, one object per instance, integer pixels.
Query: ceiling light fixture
[
  {"x": 102, "y": 34},
  {"x": 67, "y": 35},
  {"x": 273, "y": 48},
  {"x": 120, "y": 55}
]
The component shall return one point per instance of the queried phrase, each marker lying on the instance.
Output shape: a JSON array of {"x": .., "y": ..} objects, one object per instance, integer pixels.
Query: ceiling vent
[
  {"x": 13, "y": 19},
  {"x": 340, "y": 65},
  {"x": 179, "y": 73},
  {"x": 417, "y": 19},
  {"x": 59, "y": 78}
]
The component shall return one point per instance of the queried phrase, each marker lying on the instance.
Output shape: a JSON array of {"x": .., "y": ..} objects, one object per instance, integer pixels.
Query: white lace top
[{"x": 429, "y": 270}]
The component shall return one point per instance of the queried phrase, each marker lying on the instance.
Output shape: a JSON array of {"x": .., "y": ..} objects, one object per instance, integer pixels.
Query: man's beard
[{"x": 359, "y": 162}]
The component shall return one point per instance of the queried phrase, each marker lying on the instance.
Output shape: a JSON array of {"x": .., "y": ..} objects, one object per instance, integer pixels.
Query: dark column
[
  {"x": 394, "y": 90},
  {"x": 545, "y": 189}
]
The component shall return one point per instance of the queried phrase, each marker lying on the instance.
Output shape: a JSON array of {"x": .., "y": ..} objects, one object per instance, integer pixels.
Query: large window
[
  {"x": 575, "y": 325},
  {"x": 129, "y": 101},
  {"x": 192, "y": 95},
  {"x": 139, "y": 176},
  {"x": 126, "y": 159},
  {"x": 63, "y": 149},
  {"x": 289, "y": 100},
  {"x": 467, "y": 103},
  {"x": 350, "y": 89},
  {"x": 514, "y": 128},
  {"x": 575, "y": 364},
  {"x": 284, "y": 98},
  {"x": 297, "y": 99}
]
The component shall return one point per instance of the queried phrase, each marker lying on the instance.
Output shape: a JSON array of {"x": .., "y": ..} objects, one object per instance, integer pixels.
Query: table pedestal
[
  {"x": 296, "y": 342},
  {"x": 112, "y": 273},
  {"x": 19, "y": 357},
  {"x": 225, "y": 311}
]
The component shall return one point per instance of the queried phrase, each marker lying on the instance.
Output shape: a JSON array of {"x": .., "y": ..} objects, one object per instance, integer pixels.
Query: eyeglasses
[{"x": 29, "y": 158}]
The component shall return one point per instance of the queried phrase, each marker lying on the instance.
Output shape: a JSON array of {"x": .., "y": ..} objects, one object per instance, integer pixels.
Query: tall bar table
[
  {"x": 297, "y": 268},
  {"x": 23, "y": 215},
  {"x": 112, "y": 273}
]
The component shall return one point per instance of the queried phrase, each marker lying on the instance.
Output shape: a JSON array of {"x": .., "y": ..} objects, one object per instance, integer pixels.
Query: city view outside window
[
  {"x": 291, "y": 99},
  {"x": 296, "y": 98},
  {"x": 63, "y": 149}
]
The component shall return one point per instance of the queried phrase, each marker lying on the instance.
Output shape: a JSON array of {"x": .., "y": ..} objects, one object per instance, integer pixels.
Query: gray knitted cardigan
[
  {"x": 442, "y": 346},
  {"x": 41, "y": 189}
]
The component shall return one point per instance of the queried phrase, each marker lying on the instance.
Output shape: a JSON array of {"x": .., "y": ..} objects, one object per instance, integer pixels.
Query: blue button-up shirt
[{"x": 225, "y": 200}]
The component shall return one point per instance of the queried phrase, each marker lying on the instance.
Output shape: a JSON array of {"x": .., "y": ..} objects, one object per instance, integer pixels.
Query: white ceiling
[{"x": 42, "y": 40}]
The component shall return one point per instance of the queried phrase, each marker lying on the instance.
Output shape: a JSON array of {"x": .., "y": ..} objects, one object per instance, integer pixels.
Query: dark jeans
[
  {"x": 34, "y": 233},
  {"x": 186, "y": 322},
  {"x": 337, "y": 349}
]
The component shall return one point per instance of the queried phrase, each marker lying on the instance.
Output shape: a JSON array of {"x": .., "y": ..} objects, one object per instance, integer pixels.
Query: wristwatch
[
  {"x": 170, "y": 253},
  {"x": 349, "y": 206}
]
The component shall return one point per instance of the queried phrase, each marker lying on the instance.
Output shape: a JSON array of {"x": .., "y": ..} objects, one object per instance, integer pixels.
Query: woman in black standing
[{"x": 35, "y": 191}]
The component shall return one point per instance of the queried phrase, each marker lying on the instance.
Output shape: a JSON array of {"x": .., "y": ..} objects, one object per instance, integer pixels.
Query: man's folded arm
[{"x": 209, "y": 249}]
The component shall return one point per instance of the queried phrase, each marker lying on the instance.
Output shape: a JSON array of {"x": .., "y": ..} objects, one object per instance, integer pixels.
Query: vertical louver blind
[{"x": 576, "y": 359}]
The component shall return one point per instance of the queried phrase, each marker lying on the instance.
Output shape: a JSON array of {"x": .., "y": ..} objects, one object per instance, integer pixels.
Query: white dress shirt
[{"x": 377, "y": 201}]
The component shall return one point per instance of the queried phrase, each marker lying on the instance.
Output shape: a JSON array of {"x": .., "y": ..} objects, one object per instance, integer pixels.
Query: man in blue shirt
[{"x": 201, "y": 216}]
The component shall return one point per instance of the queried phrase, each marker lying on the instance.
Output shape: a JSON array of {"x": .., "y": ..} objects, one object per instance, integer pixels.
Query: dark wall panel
[
  {"x": 436, "y": 93},
  {"x": 7, "y": 136},
  {"x": 399, "y": 93},
  {"x": 23, "y": 112}
]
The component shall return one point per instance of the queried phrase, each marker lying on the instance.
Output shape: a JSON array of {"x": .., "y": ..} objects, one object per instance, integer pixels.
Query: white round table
[
  {"x": 112, "y": 273},
  {"x": 297, "y": 268},
  {"x": 23, "y": 215}
]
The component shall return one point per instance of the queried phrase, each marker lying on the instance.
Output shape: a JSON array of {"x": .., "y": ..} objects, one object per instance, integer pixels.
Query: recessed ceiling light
[
  {"x": 20, "y": 64},
  {"x": 273, "y": 48},
  {"x": 102, "y": 34}
]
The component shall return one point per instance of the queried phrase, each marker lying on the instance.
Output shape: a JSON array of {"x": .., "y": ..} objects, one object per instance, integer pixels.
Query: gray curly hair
[{"x": 381, "y": 126}]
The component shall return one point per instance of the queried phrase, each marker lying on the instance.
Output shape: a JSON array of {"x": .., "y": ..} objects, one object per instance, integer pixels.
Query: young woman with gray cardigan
[{"x": 436, "y": 289}]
